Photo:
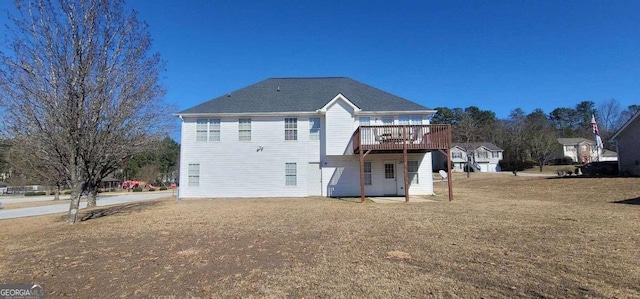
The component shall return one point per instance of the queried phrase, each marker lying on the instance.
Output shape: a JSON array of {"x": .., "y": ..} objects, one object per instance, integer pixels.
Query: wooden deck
[{"x": 393, "y": 138}]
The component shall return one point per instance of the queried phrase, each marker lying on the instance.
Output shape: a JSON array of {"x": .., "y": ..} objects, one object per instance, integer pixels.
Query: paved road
[{"x": 64, "y": 205}]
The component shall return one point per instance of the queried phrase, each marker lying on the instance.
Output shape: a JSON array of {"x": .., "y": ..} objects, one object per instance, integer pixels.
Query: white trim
[
  {"x": 340, "y": 96},
  {"x": 248, "y": 114},
  {"x": 395, "y": 113}
]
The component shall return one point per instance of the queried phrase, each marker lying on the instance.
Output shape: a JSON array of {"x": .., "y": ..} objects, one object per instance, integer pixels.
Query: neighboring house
[
  {"x": 307, "y": 137},
  {"x": 580, "y": 150},
  {"x": 485, "y": 157},
  {"x": 627, "y": 140}
]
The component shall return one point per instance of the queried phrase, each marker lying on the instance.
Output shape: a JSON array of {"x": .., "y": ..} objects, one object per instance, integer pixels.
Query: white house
[
  {"x": 306, "y": 137},
  {"x": 485, "y": 157},
  {"x": 628, "y": 146}
]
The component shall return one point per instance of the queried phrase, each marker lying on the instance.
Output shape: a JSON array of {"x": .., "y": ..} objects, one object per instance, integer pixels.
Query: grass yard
[{"x": 502, "y": 237}]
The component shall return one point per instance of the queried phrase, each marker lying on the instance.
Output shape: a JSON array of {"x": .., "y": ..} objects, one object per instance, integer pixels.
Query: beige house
[
  {"x": 580, "y": 150},
  {"x": 628, "y": 146}
]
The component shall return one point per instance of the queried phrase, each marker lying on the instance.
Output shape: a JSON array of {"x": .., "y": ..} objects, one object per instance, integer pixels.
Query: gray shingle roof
[
  {"x": 574, "y": 141},
  {"x": 475, "y": 145},
  {"x": 303, "y": 95}
]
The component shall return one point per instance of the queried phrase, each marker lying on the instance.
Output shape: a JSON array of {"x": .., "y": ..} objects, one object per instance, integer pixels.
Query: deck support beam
[
  {"x": 362, "y": 155},
  {"x": 406, "y": 164}
]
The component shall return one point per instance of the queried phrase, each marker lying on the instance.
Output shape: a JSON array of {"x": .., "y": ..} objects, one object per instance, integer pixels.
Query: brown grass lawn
[{"x": 502, "y": 236}]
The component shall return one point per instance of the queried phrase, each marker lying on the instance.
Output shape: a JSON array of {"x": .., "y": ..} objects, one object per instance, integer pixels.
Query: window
[
  {"x": 290, "y": 174},
  {"x": 314, "y": 128},
  {"x": 495, "y": 154},
  {"x": 194, "y": 175},
  {"x": 403, "y": 120},
  {"x": 290, "y": 129},
  {"x": 457, "y": 155},
  {"x": 415, "y": 120},
  {"x": 364, "y": 121},
  {"x": 482, "y": 154},
  {"x": 367, "y": 173},
  {"x": 244, "y": 129},
  {"x": 412, "y": 171},
  {"x": 389, "y": 172},
  {"x": 387, "y": 121},
  {"x": 207, "y": 129}
]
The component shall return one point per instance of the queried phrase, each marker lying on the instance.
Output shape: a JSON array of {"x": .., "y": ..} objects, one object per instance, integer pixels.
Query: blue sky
[{"x": 497, "y": 55}]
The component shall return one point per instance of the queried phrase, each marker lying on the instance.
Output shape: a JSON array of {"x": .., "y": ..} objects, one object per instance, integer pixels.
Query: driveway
[{"x": 64, "y": 205}]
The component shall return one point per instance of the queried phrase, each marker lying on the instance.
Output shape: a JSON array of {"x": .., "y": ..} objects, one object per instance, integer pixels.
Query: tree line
[{"x": 531, "y": 138}]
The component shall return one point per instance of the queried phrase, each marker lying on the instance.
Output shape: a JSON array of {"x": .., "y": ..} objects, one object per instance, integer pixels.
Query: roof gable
[
  {"x": 624, "y": 127},
  {"x": 574, "y": 141},
  {"x": 475, "y": 145},
  {"x": 303, "y": 95}
]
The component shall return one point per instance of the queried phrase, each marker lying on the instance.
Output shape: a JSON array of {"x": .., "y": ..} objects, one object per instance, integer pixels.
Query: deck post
[
  {"x": 361, "y": 175},
  {"x": 449, "y": 179},
  {"x": 406, "y": 170}
]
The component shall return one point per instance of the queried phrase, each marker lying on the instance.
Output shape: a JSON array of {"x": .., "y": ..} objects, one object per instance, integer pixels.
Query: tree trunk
[
  {"x": 76, "y": 192},
  {"x": 540, "y": 164},
  {"x": 93, "y": 194}
]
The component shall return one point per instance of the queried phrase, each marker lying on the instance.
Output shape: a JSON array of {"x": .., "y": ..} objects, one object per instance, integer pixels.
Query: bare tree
[
  {"x": 608, "y": 113},
  {"x": 80, "y": 88}
]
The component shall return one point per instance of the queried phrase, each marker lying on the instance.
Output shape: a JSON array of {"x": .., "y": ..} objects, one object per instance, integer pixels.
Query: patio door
[{"x": 389, "y": 184}]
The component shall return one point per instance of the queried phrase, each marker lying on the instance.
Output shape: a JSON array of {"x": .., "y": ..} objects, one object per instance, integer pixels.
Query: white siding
[
  {"x": 339, "y": 129},
  {"x": 232, "y": 168},
  {"x": 341, "y": 175},
  {"x": 256, "y": 168}
]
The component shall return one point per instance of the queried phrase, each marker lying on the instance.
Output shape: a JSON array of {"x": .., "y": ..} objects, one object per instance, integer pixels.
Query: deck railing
[{"x": 397, "y": 137}]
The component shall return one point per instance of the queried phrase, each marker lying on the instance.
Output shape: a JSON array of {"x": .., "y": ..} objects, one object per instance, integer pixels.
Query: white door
[
  {"x": 400, "y": 179},
  {"x": 314, "y": 179},
  {"x": 390, "y": 178},
  {"x": 484, "y": 167}
]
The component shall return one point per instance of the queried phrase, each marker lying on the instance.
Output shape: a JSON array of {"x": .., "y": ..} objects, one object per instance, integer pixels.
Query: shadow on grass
[
  {"x": 123, "y": 209},
  {"x": 583, "y": 177},
  {"x": 630, "y": 201}
]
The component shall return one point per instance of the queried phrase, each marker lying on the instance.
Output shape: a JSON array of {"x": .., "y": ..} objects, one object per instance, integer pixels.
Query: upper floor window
[
  {"x": 415, "y": 120},
  {"x": 364, "y": 121},
  {"x": 208, "y": 129},
  {"x": 482, "y": 154},
  {"x": 456, "y": 155},
  {"x": 244, "y": 129},
  {"x": 495, "y": 154},
  {"x": 387, "y": 121},
  {"x": 403, "y": 120},
  {"x": 314, "y": 128},
  {"x": 290, "y": 129}
]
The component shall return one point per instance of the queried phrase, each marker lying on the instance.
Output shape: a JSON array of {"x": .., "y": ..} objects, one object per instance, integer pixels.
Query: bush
[
  {"x": 113, "y": 190},
  {"x": 137, "y": 189},
  {"x": 562, "y": 161},
  {"x": 609, "y": 168},
  {"x": 66, "y": 192},
  {"x": 163, "y": 188},
  {"x": 516, "y": 165},
  {"x": 35, "y": 193},
  {"x": 151, "y": 189}
]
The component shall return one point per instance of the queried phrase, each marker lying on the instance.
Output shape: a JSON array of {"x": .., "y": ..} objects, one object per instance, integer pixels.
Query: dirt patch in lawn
[{"x": 502, "y": 236}]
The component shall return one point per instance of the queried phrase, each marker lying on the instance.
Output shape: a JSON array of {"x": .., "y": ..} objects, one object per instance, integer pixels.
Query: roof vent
[
  {"x": 228, "y": 95},
  {"x": 278, "y": 88}
]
